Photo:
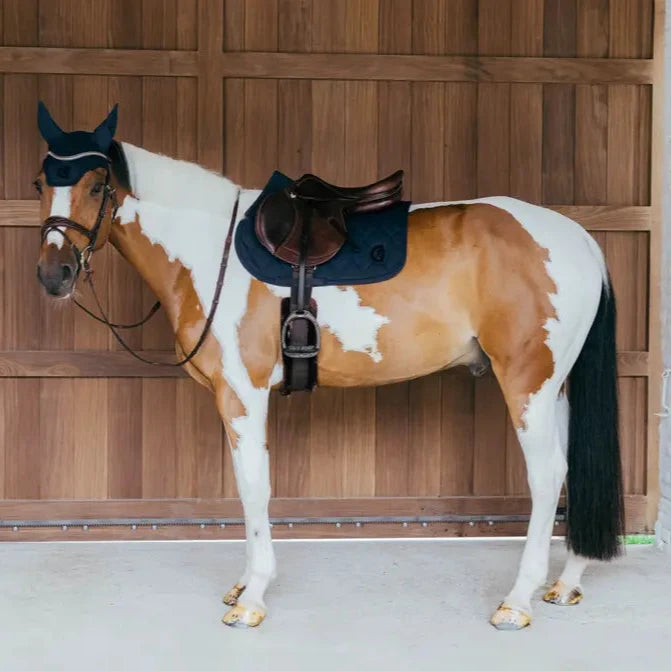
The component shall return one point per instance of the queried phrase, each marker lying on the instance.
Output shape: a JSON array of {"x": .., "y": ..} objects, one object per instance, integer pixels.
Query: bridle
[
  {"x": 83, "y": 256},
  {"x": 59, "y": 224}
]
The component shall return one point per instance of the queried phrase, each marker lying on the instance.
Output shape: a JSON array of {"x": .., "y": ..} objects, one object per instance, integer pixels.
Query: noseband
[{"x": 59, "y": 224}]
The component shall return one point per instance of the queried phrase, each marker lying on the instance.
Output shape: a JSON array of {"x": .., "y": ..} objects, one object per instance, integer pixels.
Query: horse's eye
[
  {"x": 97, "y": 188},
  {"x": 38, "y": 186}
]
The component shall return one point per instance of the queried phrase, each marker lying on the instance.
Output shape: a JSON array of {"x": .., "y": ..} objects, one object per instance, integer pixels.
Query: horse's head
[{"x": 77, "y": 200}]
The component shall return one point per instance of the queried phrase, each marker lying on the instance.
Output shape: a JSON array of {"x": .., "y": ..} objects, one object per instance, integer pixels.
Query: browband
[{"x": 75, "y": 157}]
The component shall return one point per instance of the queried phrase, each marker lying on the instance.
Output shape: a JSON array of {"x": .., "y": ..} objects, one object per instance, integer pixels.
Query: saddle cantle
[{"x": 304, "y": 225}]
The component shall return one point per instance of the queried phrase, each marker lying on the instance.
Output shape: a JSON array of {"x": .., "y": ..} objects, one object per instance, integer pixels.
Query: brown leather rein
[{"x": 84, "y": 259}]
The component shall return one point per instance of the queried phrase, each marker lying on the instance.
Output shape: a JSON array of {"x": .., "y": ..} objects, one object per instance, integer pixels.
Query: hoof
[
  {"x": 241, "y": 616},
  {"x": 560, "y": 595},
  {"x": 507, "y": 618},
  {"x": 231, "y": 597}
]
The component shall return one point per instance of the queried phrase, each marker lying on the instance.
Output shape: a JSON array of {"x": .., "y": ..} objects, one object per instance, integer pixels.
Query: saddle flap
[{"x": 279, "y": 228}]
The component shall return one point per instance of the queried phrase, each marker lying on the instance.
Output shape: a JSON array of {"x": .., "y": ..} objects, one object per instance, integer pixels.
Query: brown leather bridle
[{"x": 83, "y": 256}]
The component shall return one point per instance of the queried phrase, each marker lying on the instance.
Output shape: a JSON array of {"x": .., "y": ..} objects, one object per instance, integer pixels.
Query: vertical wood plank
[
  {"x": 630, "y": 28},
  {"x": 392, "y": 444},
  {"x": 21, "y": 141},
  {"x": 90, "y": 429},
  {"x": 424, "y": 436},
  {"x": 395, "y": 26},
  {"x": 329, "y": 26},
  {"x": 124, "y": 438},
  {"x": 457, "y": 433},
  {"x": 461, "y": 141},
  {"x": 461, "y": 27},
  {"x": 159, "y": 24},
  {"x": 559, "y": 33},
  {"x": 159, "y": 444},
  {"x": 494, "y": 27},
  {"x": 294, "y": 25},
  {"x": 20, "y": 422},
  {"x": 591, "y": 144},
  {"x": 558, "y": 144},
  {"x": 395, "y": 131},
  {"x": 428, "y": 27},
  {"x": 260, "y": 105},
  {"x": 489, "y": 445},
  {"x": 261, "y": 25},
  {"x": 526, "y": 137},
  {"x": 57, "y": 403},
  {"x": 20, "y": 23},
  {"x": 493, "y": 139},
  {"x": 527, "y": 27},
  {"x": 592, "y": 34},
  {"x": 126, "y": 25},
  {"x": 234, "y": 24},
  {"x": 362, "y": 20}
]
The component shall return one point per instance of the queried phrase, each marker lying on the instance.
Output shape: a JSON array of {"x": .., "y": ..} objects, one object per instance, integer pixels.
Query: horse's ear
[
  {"x": 104, "y": 134},
  {"x": 49, "y": 129}
]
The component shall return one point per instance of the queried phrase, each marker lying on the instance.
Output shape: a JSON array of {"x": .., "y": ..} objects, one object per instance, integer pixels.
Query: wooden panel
[
  {"x": 546, "y": 100},
  {"x": 389, "y": 67}
]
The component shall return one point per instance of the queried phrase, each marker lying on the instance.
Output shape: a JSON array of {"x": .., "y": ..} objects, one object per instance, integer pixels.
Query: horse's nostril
[{"x": 67, "y": 272}]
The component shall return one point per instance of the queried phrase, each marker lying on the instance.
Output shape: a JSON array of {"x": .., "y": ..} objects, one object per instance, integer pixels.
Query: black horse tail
[{"x": 595, "y": 498}]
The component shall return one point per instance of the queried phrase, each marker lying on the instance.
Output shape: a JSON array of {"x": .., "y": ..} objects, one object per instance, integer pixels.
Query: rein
[{"x": 84, "y": 259}]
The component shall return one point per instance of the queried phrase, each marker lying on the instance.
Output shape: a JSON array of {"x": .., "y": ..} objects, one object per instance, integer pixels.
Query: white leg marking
[
  {"x": 252, "y": 475},
  {"x": 61, "y": 206},
  {"x": 546, "y": 468}
]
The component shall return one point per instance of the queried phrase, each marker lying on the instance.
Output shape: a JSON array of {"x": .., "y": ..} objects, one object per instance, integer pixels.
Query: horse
[{"x": 493, "y": 280}]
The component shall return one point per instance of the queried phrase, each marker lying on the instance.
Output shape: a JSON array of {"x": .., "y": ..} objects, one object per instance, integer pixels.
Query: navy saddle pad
[{"x": 375, "y": 249}]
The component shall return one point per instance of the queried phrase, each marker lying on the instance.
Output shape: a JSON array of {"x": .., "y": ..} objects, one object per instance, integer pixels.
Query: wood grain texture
[
  {"x": 397, "y": 67},
  {"x": 547, "y": 100}
]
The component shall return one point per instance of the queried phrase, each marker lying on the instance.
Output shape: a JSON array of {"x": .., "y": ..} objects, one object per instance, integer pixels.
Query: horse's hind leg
[
  {"x": 567, "y": 591},
  {"x": 539, "y": 433}
]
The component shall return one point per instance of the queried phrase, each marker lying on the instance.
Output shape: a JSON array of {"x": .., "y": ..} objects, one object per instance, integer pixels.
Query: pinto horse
[{"x": 521, "y": 284}]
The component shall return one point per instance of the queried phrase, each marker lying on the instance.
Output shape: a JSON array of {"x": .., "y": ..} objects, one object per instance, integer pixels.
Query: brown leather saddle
[{"x": 304, "y": 225}]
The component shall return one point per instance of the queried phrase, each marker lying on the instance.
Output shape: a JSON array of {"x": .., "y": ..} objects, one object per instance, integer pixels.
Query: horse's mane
[
  {"x": 119, "y": 165},
  {"x": 170, "y": 182}
]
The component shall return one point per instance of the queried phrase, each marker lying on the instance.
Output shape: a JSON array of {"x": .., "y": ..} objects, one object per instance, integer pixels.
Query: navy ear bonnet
[{"x": 71, "y": 155}]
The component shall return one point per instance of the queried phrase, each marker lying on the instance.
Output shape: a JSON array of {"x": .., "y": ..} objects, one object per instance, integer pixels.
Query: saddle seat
[{"x": 312, "y": 212}]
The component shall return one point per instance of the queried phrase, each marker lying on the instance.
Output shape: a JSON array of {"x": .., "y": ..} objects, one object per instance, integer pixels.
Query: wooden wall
[{"x": 547, "y": 100}]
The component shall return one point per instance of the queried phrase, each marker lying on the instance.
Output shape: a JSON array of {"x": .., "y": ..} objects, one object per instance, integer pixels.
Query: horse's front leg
[{"x": 246, "y": 431}]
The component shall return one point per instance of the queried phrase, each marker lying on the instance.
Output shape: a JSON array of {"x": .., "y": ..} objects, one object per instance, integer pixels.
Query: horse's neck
[{"x": 150, "y": 261}]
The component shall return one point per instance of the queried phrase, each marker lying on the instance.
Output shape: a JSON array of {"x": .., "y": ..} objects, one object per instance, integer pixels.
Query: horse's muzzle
[{"x": 58, "y": 278}]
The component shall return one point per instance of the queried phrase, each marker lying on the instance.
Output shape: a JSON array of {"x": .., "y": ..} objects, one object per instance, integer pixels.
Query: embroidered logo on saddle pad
[{"x": 374, "y": 251}]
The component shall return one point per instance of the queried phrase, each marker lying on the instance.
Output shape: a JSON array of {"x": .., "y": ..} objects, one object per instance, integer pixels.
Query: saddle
[{"x": 305, "y": 225}]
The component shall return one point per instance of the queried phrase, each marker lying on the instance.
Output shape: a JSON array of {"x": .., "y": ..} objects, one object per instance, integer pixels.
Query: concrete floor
[{"x": 335, "y": 606}]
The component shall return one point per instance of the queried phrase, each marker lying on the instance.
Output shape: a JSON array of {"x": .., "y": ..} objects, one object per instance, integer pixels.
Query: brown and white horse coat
[{"x": 517, "y": 281}]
